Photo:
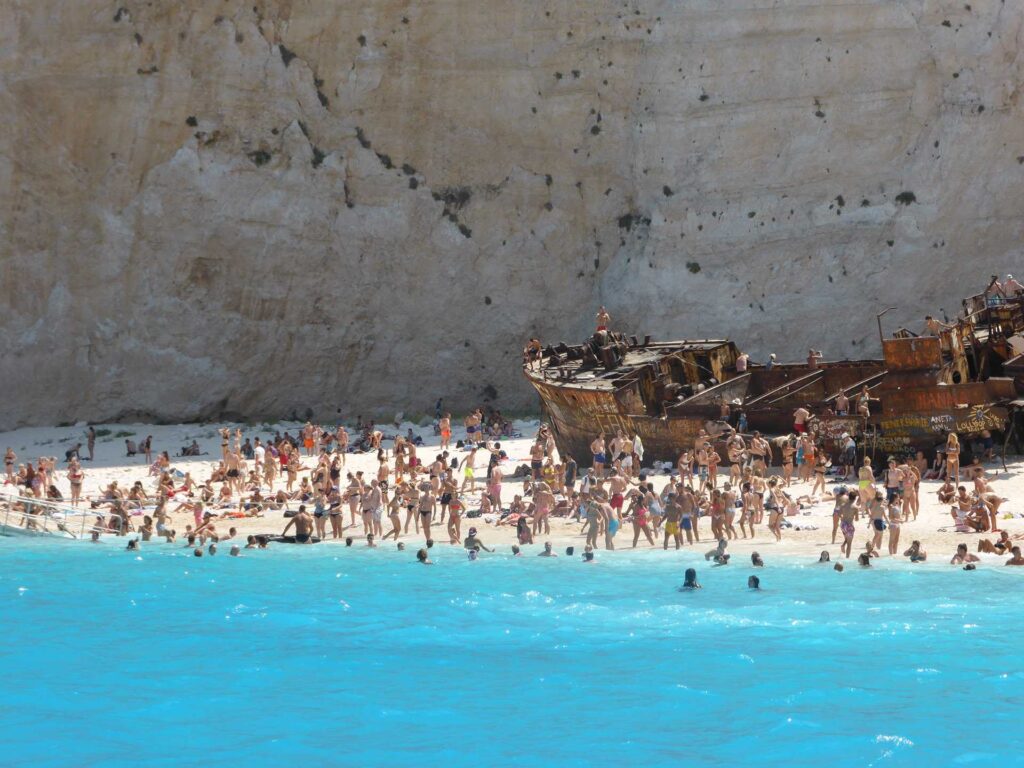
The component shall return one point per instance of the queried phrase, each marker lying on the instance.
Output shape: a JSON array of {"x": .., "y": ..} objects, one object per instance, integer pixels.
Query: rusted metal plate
[{"x": 919, "y": 353}]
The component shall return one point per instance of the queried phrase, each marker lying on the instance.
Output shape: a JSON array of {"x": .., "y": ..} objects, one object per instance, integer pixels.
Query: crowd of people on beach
[
  {"x": 720, "y": 489},
  {"x": 723, "y": 486}
]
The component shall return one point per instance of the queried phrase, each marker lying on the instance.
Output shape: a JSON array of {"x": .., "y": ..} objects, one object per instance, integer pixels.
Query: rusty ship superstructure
[{"x": 963, "y": 377}]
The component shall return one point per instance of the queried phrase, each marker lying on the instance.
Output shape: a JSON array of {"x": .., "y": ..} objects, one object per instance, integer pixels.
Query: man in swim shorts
[{"x": 303, "y": 523}]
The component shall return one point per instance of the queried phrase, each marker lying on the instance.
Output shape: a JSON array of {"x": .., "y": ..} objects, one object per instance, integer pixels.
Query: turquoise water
[{"x": 325, "y": 655}]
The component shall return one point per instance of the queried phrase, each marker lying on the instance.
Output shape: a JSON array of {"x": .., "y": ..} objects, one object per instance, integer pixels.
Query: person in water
[
  {"x": 690, "y": 580},
  {"x": 915, "y": 553},
  {"x": 753, "y": 582},
  {"x": 824, "y": 557},
  {"x": 756, "y": 561},
  {"x": 1017, "y": 559},
  {"x": 962, "y": 556},
  {"x": 423, "y": 558},
  {"x": 864, "y": 560},
  {"x": 718, "y": 553},
  {"x": 472, "y": 542},
  {"x": 547, "y": 551}
]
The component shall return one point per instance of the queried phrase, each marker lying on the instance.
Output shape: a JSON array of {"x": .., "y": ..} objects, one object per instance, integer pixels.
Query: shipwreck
[{"x": 965, "y": 378}]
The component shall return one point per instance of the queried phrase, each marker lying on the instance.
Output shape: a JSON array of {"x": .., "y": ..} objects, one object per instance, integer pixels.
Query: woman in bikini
[
  {"x": 76, "y": 476},
  {"x": 9, "y": 458},
  {"x": 788, "y": 451},
  {"x": 638, "y": 514},
  {"x": 395, "y": 512},
  {"x": 894, "y": 529},
  {"x": 866, "y": 479},
  {"x": 774, "y": 505},
  {"x": 749, "y": 509},
  {"x": 820, "y": 467},
  {"x": 455, "y": 509},
  {"x": 335, "y": 513},
  {"x": 953, "y": 458},
  {"x": 353, "y": 491}
]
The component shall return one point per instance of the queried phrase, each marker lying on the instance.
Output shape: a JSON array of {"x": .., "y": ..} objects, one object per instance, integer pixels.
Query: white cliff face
[{"x": 255, "y": 208}]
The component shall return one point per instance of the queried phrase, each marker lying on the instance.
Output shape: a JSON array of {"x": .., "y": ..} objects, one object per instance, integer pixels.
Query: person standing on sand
[
  {"x": 673, "y": 514},
  {"x": 953, "y": 458},
  {"x": 690, "y": 515},
  {"x": 370, "y": 500},
  {"x": 735, "y": 449},
  {"x": 468, "y": 467},
  {"x": 788, "y": 451},
  {"x": 876, "y": 512},
  {"x": 395, "y": 513},
  {"x": 536, "y": 459},
  {"x": 76, "y": 476},
  {"x": 595, "y": 516},
  {"x": 749, "y": 507},
  {"x": 303, "y": 526},
  {"x": 729, "y": 502},
  {"x": 495, "y": 485},
  {"x": 775, "y": 505},
  {"x": 866, "y": 479},
  {"x": 426, "y": 507},
  {"x": 638, "y": 515},
  {"x": 894, "y": 529},
  {"x": 455, "y": 509},
  {"x": 760, "y": 452},
  {"x": 9, "y": 458},
  {"x": 544, "y": 502},
  {"x": 849, "y": 513},
  {"x": 444, "y": 425},
  {"x": 90, "y": 441}
]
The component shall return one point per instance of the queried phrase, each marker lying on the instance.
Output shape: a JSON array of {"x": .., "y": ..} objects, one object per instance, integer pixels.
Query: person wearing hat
[{"x": 473, "y": 542}]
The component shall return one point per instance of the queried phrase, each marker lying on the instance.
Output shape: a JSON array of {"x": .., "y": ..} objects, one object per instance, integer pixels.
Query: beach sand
[{"x": 932, "y": 527}]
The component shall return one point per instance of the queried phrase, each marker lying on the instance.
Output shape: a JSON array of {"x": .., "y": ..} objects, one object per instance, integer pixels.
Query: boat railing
[
  {"x": 42, "y": 516},
  {"x": 871, "y": 382},
  {"x": 802, "y": 382}
]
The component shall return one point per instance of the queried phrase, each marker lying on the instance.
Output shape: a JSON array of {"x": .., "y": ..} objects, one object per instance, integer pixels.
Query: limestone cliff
[{"x": 220, "y": 207}]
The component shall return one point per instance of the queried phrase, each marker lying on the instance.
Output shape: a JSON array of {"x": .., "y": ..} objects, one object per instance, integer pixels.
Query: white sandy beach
[{"x": 933, "y": 526}]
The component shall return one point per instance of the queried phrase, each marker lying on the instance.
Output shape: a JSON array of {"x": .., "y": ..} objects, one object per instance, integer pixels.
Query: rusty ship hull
[{"x": 922, "y": 388}]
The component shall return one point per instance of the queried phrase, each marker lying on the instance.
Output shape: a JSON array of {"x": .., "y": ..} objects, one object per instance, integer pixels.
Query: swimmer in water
[
  {"x": 962, "y": 556},
  {"x": 423, "y": 558},
  {"x": 756, "y": 561},
  {"x": 547, "y": 551},
  {"x": 472, "y": 542},
  {"x": 718, "y": 552},
  {"x": 753, "y": 582},
  {"x": 690, "y": 580},
  {"x": 824, "y": 558},
  {"x": 838, "y": 567},
  {"x": 864, "y": 560},
  {"x": 235, "y": 550},
  {"x": 915, "y": 553}
]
